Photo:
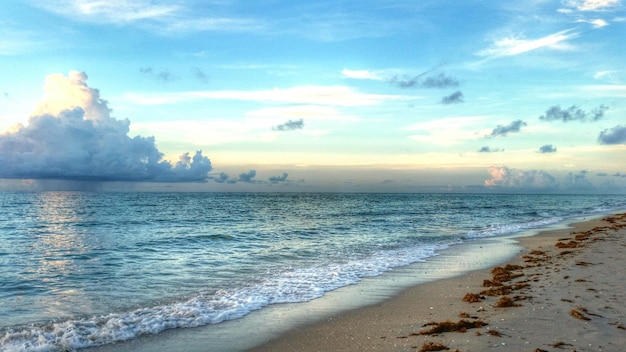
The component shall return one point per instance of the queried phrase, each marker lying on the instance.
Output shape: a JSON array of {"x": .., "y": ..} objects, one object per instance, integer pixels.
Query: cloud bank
[
  {"x": 502, "y": 176},
  {"x": 72, "y": 136}
]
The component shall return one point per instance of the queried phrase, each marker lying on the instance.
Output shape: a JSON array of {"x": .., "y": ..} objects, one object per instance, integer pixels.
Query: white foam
[{"x": 293, "y": 285}]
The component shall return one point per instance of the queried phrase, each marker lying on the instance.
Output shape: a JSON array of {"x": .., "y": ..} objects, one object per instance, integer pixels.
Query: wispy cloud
[
  {"x": 515, "y": 46},
  {"x": 591, "y": 5},
  {"x": 446, "y": 131},
  {"x": 597, "y": 23},
  {"x": 160, "y": 16},
  {"x": 361, "y": 74},
  {"x": 316, "y": 95}
]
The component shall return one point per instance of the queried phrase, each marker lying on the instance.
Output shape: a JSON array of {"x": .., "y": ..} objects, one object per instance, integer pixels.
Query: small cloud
[
  {"x": 454, "y": 98},
  {"x": 573, "y": 113},
  {"x": 602, "y": 174},
  {"x": 220, "y": 178},
  {"x": 548, "y": 148},
  {"x": 162, "y": 76},
  {"x": 290, "y": 125},
  {"x": 276, "y": 179},
  {"x": 502, "y": 131},
  {"x": 597, "y": 23},
  {"x": 248, "y": 176},
  {"x": 361, "y": 74},
  {"x": 200, "y": 75},
  {"x": 615, "y": 135},
  {"x": 487, "y": 149},
  {"x": 619, "y": 174},
  {"x": 439, "y": 81}
]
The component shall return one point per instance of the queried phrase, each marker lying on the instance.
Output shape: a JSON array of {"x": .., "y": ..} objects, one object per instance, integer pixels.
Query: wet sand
[{"x": 564, "y": 292}]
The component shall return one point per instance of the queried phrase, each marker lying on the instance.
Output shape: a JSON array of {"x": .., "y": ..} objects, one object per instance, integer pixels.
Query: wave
[{"x": 288, "y": 286}]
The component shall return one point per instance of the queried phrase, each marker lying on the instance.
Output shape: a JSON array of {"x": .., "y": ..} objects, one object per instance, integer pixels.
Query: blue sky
[{"x": 398, "y": 96}]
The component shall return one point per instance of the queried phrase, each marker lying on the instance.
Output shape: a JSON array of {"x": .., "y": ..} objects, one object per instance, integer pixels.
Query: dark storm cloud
[
  {"x": 487, "y": 149},
  {"x": 500, "y": 130},
  {"x": 248, "y": 176},
  {"x": 548, "y": 148},
  {"x": 454, "y": 98},
  {"x": 615, "y": 135},
  {"x": 163, "y": 75},
  {"x": 86, "y": 143},
  {"x": 276, "y": 179},
  {"x": 573, "y": 113},
  {"x": 421, "y": 81},
  {"x": 290, "y": 125}
]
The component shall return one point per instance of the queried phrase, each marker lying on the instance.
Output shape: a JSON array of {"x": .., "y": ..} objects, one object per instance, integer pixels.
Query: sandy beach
[{"x": 564, "y": 292}]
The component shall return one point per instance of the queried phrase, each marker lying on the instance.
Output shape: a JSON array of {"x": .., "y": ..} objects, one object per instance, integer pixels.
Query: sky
[{"x": 332, "y": 96}]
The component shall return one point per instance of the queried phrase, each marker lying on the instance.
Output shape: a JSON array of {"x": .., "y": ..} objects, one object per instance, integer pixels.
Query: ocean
[{"x": 80, "y": 269}]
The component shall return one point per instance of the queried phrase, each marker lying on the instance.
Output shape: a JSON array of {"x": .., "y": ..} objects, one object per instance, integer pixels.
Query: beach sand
[{"x": 567, "y": 292}]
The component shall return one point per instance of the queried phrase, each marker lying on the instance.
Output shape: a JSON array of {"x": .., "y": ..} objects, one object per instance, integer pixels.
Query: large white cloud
[{"x": 72, "y": 135}]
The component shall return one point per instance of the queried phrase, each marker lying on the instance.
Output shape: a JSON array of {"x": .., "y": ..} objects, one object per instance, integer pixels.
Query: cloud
[
  {"x": 290, "y": 125},
  {"x": 597, "y": 23},
  {"x": 361, "y": 74},
  {"x": 162, "y": 76},
  {"x": 487, "y": 149},
  {"x": 447, "y": 131},
  {"x": 516, "y": 46},
  {"x": 454, "y": 98},
  {"x": 315, "y": 95},
  {"x": 159, "y": 16},
  {"x": 500, "y": 130},
  {"x": 592, "y": 5},
  {"x": 578, "y": 181},
  {"x": 573, "y": 113},
  {"x": 276, "y": 179},
  {"x": 200, "y": 75},
  {"x": 548, "y": 148},
  {"x": 248, "y": 176},
  {"x": 439, "y": 81},
  {"x": 615, "y": 135},
  {"x": 504, "y": 177},
  {"x": 71, "y": 135}
]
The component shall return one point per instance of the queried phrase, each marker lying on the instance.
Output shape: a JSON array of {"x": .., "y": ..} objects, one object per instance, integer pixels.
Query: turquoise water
[{"x": 88, "y": 269}]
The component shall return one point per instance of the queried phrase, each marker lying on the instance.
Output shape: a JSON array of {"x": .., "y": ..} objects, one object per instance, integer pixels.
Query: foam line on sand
[{"x": 564, "y": 292}]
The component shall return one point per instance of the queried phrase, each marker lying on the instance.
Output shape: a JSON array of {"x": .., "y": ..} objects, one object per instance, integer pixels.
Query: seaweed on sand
[{"x": 449, "y": 326}]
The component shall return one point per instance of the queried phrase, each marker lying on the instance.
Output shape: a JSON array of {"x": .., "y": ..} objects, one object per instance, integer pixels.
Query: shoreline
[{"x": 565, "y": 297}]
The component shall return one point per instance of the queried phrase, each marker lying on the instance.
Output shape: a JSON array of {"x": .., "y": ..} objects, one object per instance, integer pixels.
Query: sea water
[{"x": 81, "y": 269}]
